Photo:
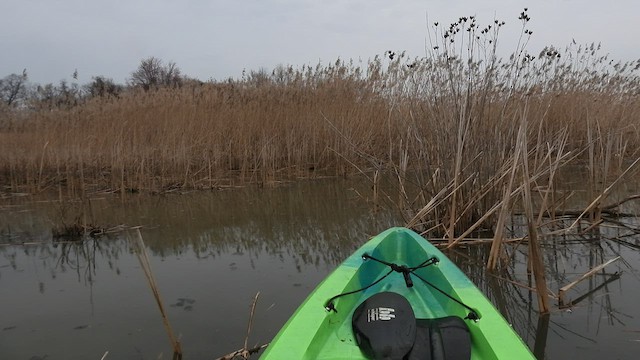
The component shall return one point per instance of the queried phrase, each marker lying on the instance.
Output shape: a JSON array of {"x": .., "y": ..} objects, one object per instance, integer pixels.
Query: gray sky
[{"x": 218, "y": 39}]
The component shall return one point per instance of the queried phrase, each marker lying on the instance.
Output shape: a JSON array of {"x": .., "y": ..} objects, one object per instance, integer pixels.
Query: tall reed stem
[{"x": 141, "y": 253}]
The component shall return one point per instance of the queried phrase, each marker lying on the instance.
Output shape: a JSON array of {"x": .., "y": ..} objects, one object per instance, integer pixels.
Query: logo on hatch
[{"x": 381, "y": 313}]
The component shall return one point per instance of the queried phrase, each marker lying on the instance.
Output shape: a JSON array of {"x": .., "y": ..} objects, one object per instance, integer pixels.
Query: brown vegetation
[
  {"x": 198, "y": 136},
  {"x": 446, "y": 126}
]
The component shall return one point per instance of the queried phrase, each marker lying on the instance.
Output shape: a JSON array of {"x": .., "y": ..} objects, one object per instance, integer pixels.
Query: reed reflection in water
[
  {"x": 211, "y": 252},
  {"x": 603, "y": 319}
]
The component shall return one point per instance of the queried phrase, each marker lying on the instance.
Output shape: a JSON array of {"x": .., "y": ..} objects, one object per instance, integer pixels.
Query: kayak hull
[{"x": 315, "y": 333}]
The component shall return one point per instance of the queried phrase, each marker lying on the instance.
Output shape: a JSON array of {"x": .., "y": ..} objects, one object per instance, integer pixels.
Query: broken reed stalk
[
  {"x": 250, "y": 324},
  {"x": 472, "y": 241},
  {"x": 535, "y": 254},
  {"x": 146, "y": 267},
  {"x": 562, "y": 305},
  {"x": 595, "y": 204},
  {"x": 586, "y": 275},
  {"x": 435, "y": 201},
  {"x": 245, "y": 352},
  {"x": 505, "y": 209},
  {"x": 553, "y": 168},
  {"x": 462, "y": 127},
  {"x": 376, "y": 185},
  {"x": 561, "y": 158}
]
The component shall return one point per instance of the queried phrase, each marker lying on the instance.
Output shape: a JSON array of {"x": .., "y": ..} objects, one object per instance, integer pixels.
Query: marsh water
[{"x": 211, "y": 252}]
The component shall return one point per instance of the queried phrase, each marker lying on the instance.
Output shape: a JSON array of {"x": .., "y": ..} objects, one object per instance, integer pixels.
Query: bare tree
[
  {"x": 69, "y": 95},
  {"x": 13, "y": 88},
  {"x": 50, "y": 96},
  {"x": 148, "y": 73},
  {"x": 44, "y": 97},
  {"x": 153, "y": 73},
  {"x": 171, "y": 75},
  {"x": 101, "y": 86}
]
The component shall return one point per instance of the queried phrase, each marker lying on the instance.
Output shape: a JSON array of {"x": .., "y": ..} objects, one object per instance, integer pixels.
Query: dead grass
[
  {"x": 446, "y": 125},
  {"x": 196, "y": 137}
]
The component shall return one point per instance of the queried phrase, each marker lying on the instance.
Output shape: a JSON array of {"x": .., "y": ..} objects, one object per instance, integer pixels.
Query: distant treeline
[{"x": 17, "y": 92}]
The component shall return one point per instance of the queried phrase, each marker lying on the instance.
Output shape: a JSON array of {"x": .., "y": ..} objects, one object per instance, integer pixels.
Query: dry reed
[
  {"x": 141, "y": 253},
  {"x": 452, "y": 113},
  {"x": 445, "y": 125}
]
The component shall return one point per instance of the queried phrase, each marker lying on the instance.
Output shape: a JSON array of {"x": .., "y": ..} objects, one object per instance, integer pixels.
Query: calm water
[{"x": 211, "y": 252}]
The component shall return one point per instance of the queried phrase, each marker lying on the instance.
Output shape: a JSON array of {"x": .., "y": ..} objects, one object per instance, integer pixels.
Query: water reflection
[
  {"x": 602, "y": 319},
  {"x": 301, "y": 219},
  {"x": 211, "y": 252},
  {"x": 602, "y": 312},
  {"x": 542, "y": 331}
]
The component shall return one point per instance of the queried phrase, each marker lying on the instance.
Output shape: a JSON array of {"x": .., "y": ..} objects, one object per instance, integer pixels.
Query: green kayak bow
[{"x": 397, "y": 297}]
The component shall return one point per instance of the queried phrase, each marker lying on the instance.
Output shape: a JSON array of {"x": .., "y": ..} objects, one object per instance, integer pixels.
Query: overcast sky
[{"x": 216, "y": 39}]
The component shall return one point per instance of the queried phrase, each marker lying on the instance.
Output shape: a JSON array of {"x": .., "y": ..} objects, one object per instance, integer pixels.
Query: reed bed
[
  {"x": 203, "y": 136},
  {"x": 465, "y": 134},
  {"x": 199, "y": 136}
]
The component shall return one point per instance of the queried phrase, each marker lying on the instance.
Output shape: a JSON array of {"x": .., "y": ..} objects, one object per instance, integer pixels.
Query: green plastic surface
[{"x": 314, "y": 333}]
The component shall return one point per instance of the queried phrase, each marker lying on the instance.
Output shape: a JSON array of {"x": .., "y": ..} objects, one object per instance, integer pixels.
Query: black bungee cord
[{"x": 406, "y": 271}]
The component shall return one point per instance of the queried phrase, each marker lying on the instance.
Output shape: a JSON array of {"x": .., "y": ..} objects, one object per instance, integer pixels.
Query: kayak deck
[{"x": 315, "y": 333}]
